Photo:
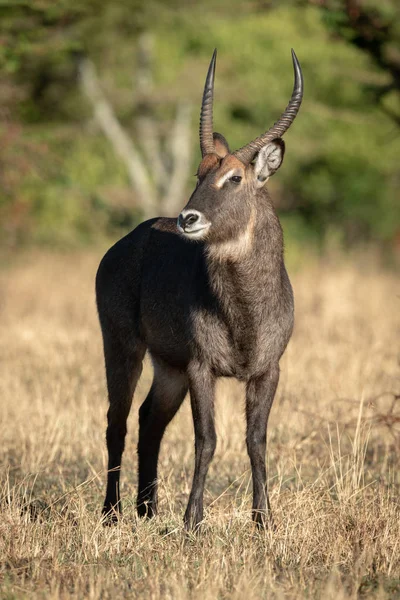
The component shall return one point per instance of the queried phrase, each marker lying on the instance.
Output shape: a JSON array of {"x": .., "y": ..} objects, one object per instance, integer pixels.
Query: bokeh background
[
  {"x": 99, "y": 108},
  {"x": 100, "y": 102}
]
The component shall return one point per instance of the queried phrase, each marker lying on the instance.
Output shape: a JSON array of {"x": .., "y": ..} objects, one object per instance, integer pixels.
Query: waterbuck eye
[{"x": 236, "y": 179}]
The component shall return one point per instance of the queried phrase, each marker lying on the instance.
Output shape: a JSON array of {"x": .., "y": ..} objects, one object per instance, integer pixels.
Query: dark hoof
[
  {"x": 263, "y": 520},
  {"x": 192, "y": 523},
  {"x": 37, "y": 510},
  {"x": 146, "y": 509},
  {"x": 110, "y": 516}
]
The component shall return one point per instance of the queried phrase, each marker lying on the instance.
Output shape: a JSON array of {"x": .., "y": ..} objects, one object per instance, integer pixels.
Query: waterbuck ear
[
  {"x": 268, "y": 161},
  {"x": 221, "y": 145}
]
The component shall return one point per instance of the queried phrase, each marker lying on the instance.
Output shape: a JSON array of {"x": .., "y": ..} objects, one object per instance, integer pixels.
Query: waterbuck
[{"x": 208, "y": 296}]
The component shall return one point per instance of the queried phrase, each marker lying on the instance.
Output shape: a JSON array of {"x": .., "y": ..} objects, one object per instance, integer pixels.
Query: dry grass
[{"x": 333, "y": 454}]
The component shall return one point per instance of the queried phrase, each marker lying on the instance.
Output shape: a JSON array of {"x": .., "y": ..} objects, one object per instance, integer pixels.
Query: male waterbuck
[{"x": 208, "y": 296}]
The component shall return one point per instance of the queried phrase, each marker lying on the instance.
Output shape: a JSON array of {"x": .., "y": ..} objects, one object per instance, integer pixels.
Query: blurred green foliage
[{"x": 60, "y": 181}]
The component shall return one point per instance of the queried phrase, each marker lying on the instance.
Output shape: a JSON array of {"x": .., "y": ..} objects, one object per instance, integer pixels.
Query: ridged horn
[
  {"x": 206, "y": 115},
  {"x": 248, "y": 152}
]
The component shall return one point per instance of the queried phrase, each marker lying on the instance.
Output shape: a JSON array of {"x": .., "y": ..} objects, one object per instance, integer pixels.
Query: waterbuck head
[{"x": 222, "y": 207}]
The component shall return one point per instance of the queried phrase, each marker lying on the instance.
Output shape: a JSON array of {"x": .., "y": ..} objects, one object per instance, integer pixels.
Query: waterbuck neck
[{"x": 246, "y": 272}]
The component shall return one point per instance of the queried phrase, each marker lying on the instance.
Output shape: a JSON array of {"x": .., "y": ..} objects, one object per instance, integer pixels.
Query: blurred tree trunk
[
  {"x": 120, "y": 140},
  {"x": 157, "y": 173}
]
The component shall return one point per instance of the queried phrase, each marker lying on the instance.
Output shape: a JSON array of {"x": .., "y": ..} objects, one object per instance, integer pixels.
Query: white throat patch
[{"x": 237, "y": 248}]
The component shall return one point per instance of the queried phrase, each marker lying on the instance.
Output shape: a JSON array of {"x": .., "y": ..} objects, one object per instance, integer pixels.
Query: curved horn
[
  {"x": 248, "y": 152},
  {"x": 206, "y": 115}
]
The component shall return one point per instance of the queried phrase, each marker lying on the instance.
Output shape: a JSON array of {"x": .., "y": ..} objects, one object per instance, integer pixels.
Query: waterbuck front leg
[
  {"x": 260, "y": 394},
  {"x": 202, "y": 390}
]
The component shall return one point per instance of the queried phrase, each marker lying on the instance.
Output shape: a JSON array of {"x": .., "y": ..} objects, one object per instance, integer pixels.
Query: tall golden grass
[{"x": 334, "y": 444}]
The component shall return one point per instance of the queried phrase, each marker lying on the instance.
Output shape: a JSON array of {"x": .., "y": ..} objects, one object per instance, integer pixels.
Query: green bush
[{"x": 60, "y": 181}]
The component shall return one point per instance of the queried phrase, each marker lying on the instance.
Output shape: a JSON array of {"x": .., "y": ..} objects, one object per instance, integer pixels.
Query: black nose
[{"x": 188, "y": 220}]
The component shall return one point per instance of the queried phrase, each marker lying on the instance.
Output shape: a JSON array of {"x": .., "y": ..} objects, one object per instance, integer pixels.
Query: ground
[{"x": 334, "y": 440}]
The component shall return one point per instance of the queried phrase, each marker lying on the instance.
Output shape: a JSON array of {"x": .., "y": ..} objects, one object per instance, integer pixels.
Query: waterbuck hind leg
[
  {"x": 123, "y": 369},
  {"x": 166, "y": 395},
  {"x": 202, "y": 390},
  {"x": 260, "y": 394}
]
